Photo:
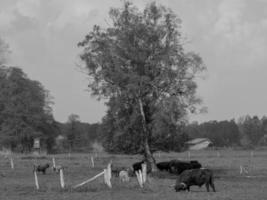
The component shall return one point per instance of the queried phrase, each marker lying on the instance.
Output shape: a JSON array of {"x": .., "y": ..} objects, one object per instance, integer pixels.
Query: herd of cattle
[{"x": 188, "y": 173}]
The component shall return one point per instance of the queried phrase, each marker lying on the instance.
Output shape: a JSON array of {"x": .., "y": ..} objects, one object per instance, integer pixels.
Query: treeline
[{"x": 246, "y": 132}]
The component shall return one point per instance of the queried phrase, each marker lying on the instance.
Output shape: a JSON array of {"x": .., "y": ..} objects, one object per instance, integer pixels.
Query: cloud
[
  {"x": 229, "y": 23},
  {"x": 29, "y": 8}
]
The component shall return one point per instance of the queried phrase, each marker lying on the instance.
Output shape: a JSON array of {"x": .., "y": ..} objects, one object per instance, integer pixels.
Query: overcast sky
[{"x": 230, "y": 36}]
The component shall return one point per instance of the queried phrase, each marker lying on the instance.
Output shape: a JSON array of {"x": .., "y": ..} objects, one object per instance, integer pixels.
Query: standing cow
[
  {"x": 164, "y": 166},
  {"x": 197, "y": 177},
  {"x": 178, "y": 166}
]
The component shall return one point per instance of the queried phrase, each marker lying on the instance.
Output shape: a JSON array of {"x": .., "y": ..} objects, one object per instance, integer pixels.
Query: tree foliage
[
  {"x": 25, "y": 111},
  {"x": 252, "y": 129},
  {"x": 221, "y": 133},
  {"x": 139, "y": 64}
]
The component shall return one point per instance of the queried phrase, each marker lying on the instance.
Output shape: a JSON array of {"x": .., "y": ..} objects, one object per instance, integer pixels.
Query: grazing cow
[
  {"x": 163, "y": 166},
  {"x": 124, "y": 176},
  {"x": 138, "y": 166},
  {"x": 197, "y": 177},
  {"x": 177, "y": 166},
  {"x": 41, "y": 168}
]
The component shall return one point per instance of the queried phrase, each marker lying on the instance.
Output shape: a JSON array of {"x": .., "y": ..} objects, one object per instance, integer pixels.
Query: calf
[
  {"x": 124, "y": 176},
  {"x": 195, "y": 177},
  {"x": 115, "y": 170},
  {"x": 177, "y": 166},
  {"x": 41, "y": 168}
]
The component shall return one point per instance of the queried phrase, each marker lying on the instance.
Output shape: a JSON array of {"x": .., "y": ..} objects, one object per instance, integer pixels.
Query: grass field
[{"x": 19, "y": 182}]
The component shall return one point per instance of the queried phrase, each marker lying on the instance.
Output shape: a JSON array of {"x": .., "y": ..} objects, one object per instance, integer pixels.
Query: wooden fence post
[
  {"x": 62, "y": 183},
  {"x": 107, "y": 176},
  {"x": 11, "y": 163},
  {"x": 139, "y": 178},
  {"x": 144, "y": 172},
  {"x": 92, "y": 161},
  {"x": 36, "y": 180},
  {"x": 54, "y": 163}
]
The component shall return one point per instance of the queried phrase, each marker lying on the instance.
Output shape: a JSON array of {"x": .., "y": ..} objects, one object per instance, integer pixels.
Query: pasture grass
[{"x": 18, "y": 184}]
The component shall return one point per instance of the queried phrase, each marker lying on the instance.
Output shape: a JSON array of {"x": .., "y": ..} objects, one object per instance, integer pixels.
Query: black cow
[
  {"x": 195, "y": 164},
  {"x": 138, "y": 166},
  {"x": 197, "y": 177},
  {"x": 41, "y": 168},
  {"x": 164, "y": 166},
  {"x": 177, "y": 166}
]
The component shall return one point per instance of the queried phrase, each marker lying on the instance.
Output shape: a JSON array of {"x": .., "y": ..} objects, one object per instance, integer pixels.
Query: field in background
[{"x": 19, "y": 182}]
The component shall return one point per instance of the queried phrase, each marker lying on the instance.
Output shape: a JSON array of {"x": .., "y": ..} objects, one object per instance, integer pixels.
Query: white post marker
[
  {"x": 144, "y": 172},
  {"x": 54, "y": 163},
  {"x": 11, "y": 163},
  {"x": 139, "y": 178},
  {"x": 36, "y": 180},
  {"x": 252, "y": 153},
  {"x": 218, "y": 154},
  {"x": 105, "y": 176},
  {"x": 62, "y": 183},
  {"x": 92, "y": 161},
  {"x": 109, "y": 175}
]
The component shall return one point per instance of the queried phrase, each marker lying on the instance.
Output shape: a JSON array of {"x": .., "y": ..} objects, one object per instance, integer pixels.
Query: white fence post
[
  {"x": 11, "y": 163},
  {"x": 62, "y": 183},
  {"x": 107, "y": 176},
  {"x": 36, "y": 180},
  {"x": 54, "y": 163},
  {"x": 139, "y": 178},
  {"x": 144, "y": 172},
  {"x": 92, "y": 161}
]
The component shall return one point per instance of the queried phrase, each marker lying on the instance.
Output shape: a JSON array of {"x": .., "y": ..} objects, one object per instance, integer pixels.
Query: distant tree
[
  {"x": 140, "y": 65},
  {"x": 25, "y": 111},
  {"x": 73, "y": 131},
  {"x": 251, "y": 129}
]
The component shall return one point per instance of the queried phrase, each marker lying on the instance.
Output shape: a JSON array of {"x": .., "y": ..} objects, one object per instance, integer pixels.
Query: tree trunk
[{"x": 147, "y": 153}]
